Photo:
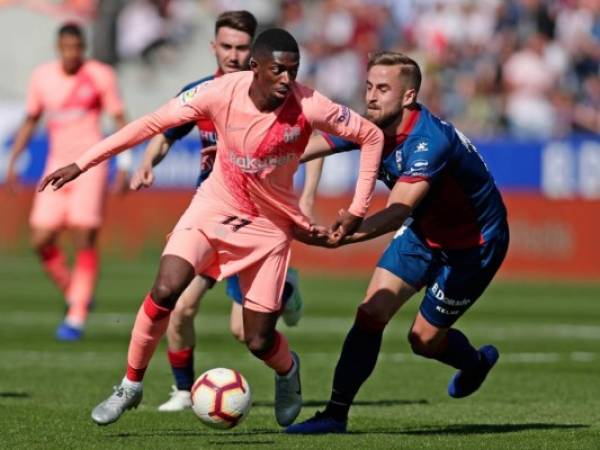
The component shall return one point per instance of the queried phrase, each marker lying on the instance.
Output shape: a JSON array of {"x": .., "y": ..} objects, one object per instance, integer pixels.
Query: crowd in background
[
  {"x": 527, "y": 67},
  {"x": 523, "y": 67}
]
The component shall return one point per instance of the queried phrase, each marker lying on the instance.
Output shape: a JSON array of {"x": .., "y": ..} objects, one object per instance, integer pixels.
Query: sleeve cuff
[{"x": 356, "y": 210}]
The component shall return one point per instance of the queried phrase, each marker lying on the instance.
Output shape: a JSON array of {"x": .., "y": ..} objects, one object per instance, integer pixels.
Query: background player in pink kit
[
  {"x": 234, "y": 31},
  {"x": 244, "y": 216},
  {"x": 72, "y": 92}
]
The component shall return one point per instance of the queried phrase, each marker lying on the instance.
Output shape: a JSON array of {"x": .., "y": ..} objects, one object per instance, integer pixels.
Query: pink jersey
[
  {"x": 257, "y": 152},
  {"x": 72, "y": 105}
]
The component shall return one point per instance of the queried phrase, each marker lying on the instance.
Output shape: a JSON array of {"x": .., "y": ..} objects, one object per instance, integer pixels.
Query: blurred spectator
[
  {"x": 528, "y": 67},
  {"x": 145, "y": 27},
  {"x": 586, "y": 114},
  {"x": 529, "y": 80},
  {"x": 104, "y": 31}
]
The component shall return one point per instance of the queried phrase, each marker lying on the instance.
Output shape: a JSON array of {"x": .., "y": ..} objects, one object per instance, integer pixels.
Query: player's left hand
[
  {"x": 60, "y": 177},
  {"x": 345, "y": 224},
  {"x": 316, "y": 235}
]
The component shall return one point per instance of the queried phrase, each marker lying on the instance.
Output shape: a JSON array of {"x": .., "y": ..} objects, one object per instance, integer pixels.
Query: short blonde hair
[{"x": 409, "y": 69}]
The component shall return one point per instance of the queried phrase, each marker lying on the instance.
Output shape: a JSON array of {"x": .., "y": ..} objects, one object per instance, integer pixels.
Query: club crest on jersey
[
  {"x": 343, "y": 115},
  {"x": 188, "y": 95},
  {"x": 422, "y": 147},
  {"x": 291, "y": 134}
]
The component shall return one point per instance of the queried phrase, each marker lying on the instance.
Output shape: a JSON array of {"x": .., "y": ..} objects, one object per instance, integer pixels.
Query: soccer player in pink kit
[
  {"x": 72, "y": 92},
  {"x": 244, "y": 216}
]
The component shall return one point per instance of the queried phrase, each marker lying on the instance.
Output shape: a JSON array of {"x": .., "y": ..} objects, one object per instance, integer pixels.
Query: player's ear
[
  {"x": 253, "y": 65},
  {"x": 410, "y": 97},
  {"x": 213, "y": 47}
]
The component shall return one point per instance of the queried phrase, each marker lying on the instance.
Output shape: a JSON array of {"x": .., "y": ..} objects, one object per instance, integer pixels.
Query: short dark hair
[
  {"x": 238, "y": 20},
  {"x": 274, "y": 40},
  {"x": 409, "y": 69},
  {"x": 71, "y": 29}
]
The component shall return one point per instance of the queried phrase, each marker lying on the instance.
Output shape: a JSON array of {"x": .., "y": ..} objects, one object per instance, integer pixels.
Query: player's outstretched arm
[
  {"x": 169, "y": 115},
  {"x": 22, "y": 138},
  {"x": 60, "y": 177},
  {"x": 402, "y": 201},
  {"x": 343, "y": 122},
  {"x": 120, "y": 184},
  {"x": 317, "y": 147},
  {"x": 370, "y": 139}
]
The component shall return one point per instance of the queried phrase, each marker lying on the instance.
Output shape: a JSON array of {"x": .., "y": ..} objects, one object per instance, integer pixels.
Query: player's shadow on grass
[
  {"x": 466, "y": 429},
  {"x": 228, "y": 438},
  {"x": 14, "y": 395},
  {"x": 321, "y": 403}
]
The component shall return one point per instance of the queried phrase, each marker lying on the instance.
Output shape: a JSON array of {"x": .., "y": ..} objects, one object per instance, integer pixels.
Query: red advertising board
[{"x": 549, "y": 238}]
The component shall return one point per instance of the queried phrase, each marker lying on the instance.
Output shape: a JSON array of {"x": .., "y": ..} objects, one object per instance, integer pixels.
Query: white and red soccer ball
[{"x": 221, "y": 398}]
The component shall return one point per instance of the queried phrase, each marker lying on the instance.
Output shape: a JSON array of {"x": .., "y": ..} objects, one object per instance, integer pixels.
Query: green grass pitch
[{"x": 543, "y": 394}]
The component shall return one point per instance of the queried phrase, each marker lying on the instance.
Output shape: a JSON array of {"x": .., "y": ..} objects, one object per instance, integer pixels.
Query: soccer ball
[{"x": 221, "y": 398}]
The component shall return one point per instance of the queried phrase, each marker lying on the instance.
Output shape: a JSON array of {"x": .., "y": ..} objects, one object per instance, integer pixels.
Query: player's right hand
[
  {"x": 345, "y": 225},
  {"x": 143, "y": 177},
  {"x": 60, "y": 177}
]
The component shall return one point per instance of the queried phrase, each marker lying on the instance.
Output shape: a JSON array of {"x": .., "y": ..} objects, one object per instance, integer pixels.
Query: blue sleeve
[
  {"x": 338, "y": 144},
  {"x": 424, "y": 158},
  {"x": 181, "y": 131}
]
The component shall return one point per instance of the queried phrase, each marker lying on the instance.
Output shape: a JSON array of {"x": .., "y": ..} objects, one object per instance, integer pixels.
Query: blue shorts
[
  {"x": 455, "y": 279},
  {"x": 233, "y": 289}
]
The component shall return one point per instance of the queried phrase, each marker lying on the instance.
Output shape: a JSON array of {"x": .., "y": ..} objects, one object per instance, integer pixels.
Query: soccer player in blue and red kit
[{"x": 452, "y": 236}]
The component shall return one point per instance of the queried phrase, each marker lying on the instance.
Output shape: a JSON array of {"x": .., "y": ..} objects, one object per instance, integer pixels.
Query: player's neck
[
  {"x": 400, "y": 125},
  {"x": 69, "y": 71},
  {"x": 263, "y": 102}
]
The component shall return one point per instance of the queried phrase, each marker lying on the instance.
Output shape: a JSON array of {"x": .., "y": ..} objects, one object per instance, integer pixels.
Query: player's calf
[{"x": 428, "y": 346}]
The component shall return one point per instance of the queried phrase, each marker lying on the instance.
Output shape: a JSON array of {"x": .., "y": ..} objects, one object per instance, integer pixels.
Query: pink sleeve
[
  {"x": 339, "y": 120},
  {"x": 33, "y": 105},
  {"x": 173, "y": 113},
  {"x": 111, "y": 98}
]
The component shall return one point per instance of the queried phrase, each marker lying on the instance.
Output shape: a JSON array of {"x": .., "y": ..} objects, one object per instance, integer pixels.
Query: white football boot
[
  {"x": 125, "y": 396},
  {"x": 179, "y": 401},
  {"x": 288, "y": 394}
]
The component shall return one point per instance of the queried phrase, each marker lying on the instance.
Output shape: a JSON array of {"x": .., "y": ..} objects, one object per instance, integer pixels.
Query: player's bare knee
[
  {"x": 40, "y": 243},
  {"x": 38, "y": 246},
  {"x": 187, "y": 313},
  {"x": 165, "y": 294},
  {"x": 422, "y": 345},
  {"x": 259, "y": 344}
]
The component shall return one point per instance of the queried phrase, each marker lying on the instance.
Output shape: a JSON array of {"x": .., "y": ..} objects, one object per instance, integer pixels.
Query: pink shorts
[
  {"x": 219, "y": 245},
  {"x": 79, "y": 203}
]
